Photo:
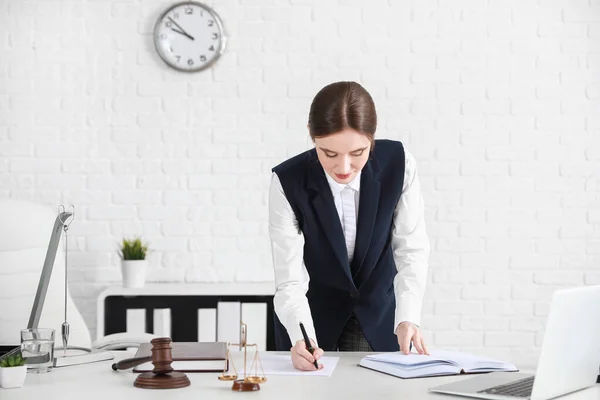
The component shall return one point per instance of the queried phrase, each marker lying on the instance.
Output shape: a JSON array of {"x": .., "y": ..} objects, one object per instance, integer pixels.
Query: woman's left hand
[{"x": 408, "y": 332}]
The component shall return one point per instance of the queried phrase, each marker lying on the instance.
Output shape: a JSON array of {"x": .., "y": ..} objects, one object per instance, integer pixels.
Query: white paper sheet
[{"x": 274, "y": 364}]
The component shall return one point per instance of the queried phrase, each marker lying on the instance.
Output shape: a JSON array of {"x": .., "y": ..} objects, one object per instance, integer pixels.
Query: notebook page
[
  {"x": 413, "y": 359},
  {"x": 413, "y": 371},
  {"x": 464, "y": 360},
  {"x": 485, "y": 364},
  {"x": 471, "y": 362}
]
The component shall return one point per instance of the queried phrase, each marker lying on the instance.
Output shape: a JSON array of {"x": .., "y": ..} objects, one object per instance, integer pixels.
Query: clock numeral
[
  {"x": 211, "y": 22},
  {"x": 211, "y": 48},
  {"x": 203, "y": 58},
  {"x": 178, "y": 58},
  {"x": 189, "y": 10},
  {"x": 176, "y": 15},
  {"x": 163, "y": 36},
  {"x": 215, "y": 36},
  {"x": 190, "y": 61},
  {"x": 168, "y": 24}
]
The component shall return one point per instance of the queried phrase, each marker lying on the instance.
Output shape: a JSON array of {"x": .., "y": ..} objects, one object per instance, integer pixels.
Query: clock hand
[
  {"x": 182, "y": 33},
  {"x": 182, "y": 30}
]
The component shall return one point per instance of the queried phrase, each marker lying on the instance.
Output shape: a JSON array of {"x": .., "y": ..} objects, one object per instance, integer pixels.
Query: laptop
[{"x": 569, "y": 359}]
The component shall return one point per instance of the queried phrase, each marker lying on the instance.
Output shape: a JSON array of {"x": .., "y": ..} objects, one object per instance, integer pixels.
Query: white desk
[{"x": 98, "y": 382}]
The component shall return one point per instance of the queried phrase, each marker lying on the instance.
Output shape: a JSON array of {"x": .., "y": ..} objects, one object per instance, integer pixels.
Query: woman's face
[{"x": 343, "y": 154}]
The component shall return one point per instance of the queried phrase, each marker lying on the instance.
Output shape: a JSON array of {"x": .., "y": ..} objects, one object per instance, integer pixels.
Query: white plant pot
[
  {"x": 134, "y": 273},
  {"x": 13, "y": 377}
]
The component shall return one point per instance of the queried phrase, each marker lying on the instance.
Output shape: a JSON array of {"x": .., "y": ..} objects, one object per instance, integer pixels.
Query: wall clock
[{"x": 189, "y": 36}]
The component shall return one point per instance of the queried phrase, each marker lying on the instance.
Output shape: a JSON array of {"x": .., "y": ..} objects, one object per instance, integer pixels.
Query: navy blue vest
[{"x": 337, "y": 288}]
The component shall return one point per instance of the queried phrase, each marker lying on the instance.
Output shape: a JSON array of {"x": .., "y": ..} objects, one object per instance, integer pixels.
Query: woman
[{"x": 346, "y": 223}]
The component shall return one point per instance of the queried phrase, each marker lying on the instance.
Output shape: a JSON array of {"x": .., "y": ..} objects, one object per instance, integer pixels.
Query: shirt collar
[{"x": 336, "y": 188}]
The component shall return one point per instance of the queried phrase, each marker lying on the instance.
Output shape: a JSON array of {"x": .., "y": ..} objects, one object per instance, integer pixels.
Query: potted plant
[
  {"x": 133, "y": 262},
  {"x": 13, "y": 371}
]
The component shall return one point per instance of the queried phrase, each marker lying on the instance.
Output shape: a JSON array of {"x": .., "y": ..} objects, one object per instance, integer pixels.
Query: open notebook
[{"x": 437, "y": 363}]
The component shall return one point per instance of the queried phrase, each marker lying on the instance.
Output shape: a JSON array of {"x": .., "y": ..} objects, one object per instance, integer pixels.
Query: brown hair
[{"x": 342, "y": 105}]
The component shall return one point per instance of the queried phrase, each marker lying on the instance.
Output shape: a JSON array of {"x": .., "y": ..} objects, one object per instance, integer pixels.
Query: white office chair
[{"x": 25, "y": 230}]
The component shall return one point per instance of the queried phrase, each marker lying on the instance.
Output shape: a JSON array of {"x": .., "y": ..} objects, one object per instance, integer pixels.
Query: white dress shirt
[
  {"x": 346, "y": 197},
  {"x": 410, "y": 245}
]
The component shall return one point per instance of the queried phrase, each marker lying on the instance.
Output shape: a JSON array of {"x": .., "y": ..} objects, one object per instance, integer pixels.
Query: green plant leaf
[
  {"x": 133, "y": 249},
  {"x": 14, "y": 360}
]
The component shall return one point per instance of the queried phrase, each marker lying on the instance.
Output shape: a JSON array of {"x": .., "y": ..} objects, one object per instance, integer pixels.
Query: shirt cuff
[
  {"x": 292, "y": 314},
  {"x": 408, "y": 308},
  {"x": 296, "y": 333}
]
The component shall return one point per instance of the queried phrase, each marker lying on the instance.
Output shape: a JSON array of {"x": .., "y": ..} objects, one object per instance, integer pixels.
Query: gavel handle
[{"x": 127, "y": 363}]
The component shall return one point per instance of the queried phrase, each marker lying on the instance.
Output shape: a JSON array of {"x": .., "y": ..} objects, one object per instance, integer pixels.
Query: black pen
[{"x": 308, "y": 343}]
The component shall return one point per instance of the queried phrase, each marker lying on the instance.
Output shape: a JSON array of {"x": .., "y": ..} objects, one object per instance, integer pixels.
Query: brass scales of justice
[{"x": 253, "y": 379}]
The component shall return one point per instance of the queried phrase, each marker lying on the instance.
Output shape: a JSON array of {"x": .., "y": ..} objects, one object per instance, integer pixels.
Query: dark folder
[{"x": 189, "y": 357}]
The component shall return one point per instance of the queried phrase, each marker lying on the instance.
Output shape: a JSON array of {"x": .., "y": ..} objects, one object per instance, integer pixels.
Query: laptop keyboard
[{"x": 520, "y": 388}]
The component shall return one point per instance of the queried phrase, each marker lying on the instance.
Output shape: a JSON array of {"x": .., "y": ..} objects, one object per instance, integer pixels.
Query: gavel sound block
[{"x": 162, "y": 376}]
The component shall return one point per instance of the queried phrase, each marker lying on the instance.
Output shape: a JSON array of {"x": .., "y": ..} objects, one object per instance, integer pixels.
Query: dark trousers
[{"x": 352, "y": 337}]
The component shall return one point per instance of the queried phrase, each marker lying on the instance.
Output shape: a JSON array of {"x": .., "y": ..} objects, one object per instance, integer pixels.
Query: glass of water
[{"x": 37, "y": 348}]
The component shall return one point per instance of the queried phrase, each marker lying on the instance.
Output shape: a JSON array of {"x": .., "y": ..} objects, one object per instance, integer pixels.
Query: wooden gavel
[{"x": 162, "y": 376}]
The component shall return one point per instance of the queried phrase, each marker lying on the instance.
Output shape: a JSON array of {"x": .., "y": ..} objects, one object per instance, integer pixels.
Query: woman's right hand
[{"x": 301, "y": 357}]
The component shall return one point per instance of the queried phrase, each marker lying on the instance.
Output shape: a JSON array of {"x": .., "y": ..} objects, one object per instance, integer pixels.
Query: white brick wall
[{"x": 498, "y": 100}]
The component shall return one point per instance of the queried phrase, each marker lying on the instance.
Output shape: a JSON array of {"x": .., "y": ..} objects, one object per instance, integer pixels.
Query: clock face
[{"x": 189, "y": 36}]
